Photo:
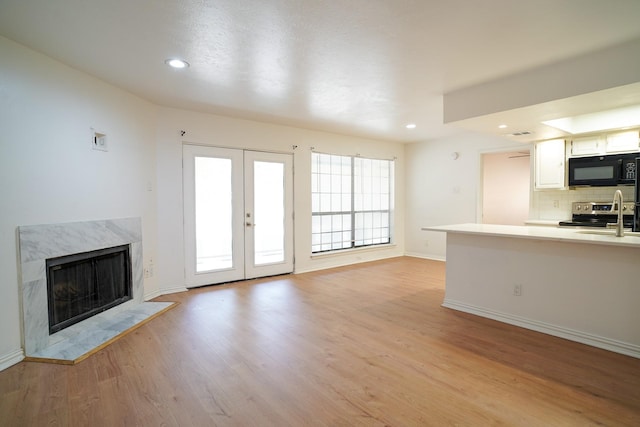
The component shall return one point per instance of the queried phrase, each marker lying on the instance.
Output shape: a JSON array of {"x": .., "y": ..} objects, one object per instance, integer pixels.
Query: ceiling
[{"x": 356, "y": 67}]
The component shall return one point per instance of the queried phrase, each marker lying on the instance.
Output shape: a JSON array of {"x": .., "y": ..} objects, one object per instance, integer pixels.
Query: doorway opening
[{"x": 506, "y": 187}]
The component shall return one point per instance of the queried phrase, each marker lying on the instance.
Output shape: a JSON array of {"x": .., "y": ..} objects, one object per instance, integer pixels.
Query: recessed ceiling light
[
  {"x": 502, "y": 127},
  {"x": 411, "y": 126},
  {"x": 176, "y": 63}
]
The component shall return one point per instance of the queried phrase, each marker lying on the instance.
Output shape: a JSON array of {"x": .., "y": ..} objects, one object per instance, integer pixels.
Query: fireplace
[
  {"x": 84, "y": 284},
  {"x": 45, "y": 242},
  {"x": 72, "y": 260}
]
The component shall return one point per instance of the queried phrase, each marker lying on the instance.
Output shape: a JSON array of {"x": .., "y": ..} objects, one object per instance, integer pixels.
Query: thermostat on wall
[{"x": 99, "y": 140}]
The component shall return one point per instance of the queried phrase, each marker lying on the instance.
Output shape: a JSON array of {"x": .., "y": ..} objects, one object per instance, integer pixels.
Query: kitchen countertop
[{"x": 589, "y": 236}]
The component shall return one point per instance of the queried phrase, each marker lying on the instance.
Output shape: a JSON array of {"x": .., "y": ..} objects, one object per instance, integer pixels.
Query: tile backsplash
[{"x": 556, "y": 204}]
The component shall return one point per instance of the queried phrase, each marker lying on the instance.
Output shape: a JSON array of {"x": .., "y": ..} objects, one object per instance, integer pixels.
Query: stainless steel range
[{"x": 598, "y": 214}]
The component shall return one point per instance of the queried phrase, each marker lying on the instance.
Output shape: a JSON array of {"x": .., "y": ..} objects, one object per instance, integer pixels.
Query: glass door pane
[
  {"x": 269, "y": 210},
  {"x": 268, "y": 213},
  {"x": 213, "y": 210},
  {"x": 214, "y": 240}
]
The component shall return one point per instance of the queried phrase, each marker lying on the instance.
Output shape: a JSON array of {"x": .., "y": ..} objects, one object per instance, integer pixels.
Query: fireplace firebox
[{"x": 82, "y": 285}]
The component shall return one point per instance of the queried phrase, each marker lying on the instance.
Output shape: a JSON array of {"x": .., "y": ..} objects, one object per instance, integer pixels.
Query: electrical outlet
[
  {"x": 148, "y": 270},
  {"x": 517, "y": 290}
]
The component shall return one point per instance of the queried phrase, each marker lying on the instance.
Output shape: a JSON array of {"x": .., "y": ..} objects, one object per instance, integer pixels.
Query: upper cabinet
[
  {"x": 623, "y": 141},
  {"x": 616, "y": 142},
  {"x": 551, "y": 156},
  {"x": 549, "y": 164},
  {"x": 587, "y": 146}
]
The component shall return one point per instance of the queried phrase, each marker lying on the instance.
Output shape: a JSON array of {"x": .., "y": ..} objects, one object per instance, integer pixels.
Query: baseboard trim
[
  {"x": 344, "y": 264},
  {"x": 616, "y": 346},
  {"x": 11, "y": 359},
  {"x": 423, "y": 256},
  {"x": 158, "y": 293}
]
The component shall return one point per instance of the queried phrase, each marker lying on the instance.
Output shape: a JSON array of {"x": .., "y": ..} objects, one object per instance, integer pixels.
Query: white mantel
[{"x": 583, "y": 285}]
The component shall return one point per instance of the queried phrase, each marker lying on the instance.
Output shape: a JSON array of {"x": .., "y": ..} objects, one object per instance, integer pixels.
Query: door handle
[{"x": 248, "y": 224}]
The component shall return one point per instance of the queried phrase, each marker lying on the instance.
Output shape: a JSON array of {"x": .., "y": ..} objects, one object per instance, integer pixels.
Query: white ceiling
[{"x": 358, "y": 67}]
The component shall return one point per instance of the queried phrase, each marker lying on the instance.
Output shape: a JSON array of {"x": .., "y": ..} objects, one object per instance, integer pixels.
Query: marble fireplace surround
[{"x": 37, "y": 243}]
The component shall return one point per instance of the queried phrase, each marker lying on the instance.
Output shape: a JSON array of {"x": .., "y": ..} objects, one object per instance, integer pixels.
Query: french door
[{"x": 238, "y": 214}]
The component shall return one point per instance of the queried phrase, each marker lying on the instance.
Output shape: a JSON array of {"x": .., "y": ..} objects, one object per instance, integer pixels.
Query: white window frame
[{"x": 352, "y": 200}]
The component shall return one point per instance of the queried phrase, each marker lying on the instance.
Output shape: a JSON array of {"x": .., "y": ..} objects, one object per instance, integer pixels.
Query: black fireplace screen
[{"x": 85, "y": 284}]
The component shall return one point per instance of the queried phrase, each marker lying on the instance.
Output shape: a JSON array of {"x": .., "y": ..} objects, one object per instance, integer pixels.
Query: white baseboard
[
  {"x": 174, "y": 290},
  {"x": 11, "y": 359},
  {"x": 616, "y": 346},
  {"x": 343, "y": 263},
  {"x": 423, "y": 256},
  {"x": 160, "y": 292}
]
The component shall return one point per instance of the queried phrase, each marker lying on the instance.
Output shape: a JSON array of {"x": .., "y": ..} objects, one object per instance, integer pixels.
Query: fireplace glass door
[{"x": 82, "y": 285}]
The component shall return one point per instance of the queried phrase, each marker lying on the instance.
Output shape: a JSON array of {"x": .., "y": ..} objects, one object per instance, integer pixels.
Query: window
[{"x": 351, "y": 202}]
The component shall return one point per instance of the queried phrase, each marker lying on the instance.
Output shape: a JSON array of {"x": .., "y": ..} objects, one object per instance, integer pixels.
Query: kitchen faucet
[{"x": 618, "y": 225}]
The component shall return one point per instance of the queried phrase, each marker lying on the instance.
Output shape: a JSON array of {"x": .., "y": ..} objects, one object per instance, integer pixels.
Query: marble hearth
[{"x": 37, "y": 243}]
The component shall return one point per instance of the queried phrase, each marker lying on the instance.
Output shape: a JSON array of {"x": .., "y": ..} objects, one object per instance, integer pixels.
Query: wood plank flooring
[{"x": 364, "y": 345}]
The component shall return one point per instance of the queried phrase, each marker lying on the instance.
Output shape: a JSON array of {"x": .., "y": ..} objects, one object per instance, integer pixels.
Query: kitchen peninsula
[{"x": 582, "y": 285}]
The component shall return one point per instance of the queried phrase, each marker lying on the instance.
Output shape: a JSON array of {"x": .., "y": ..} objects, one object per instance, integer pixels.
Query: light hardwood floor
[{"x": 364, "y": 345}]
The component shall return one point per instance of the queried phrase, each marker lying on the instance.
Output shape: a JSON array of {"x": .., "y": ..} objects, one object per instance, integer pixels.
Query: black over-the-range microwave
[{"x": 615, "y": 169}]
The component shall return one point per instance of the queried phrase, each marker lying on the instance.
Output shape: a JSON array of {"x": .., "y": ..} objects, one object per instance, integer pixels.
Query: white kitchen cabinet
[
  {"x": 587, "y": 146},
  {"x": 549, "y": 164},
  {"x": 610, "y": 143},
  {"x": 623, "y": 142}
]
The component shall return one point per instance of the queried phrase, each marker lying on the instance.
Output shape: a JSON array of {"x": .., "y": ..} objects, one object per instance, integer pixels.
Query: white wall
[
  {"x": 442, "y": 190},
  {"x": 221, "y": 131},
  {"x": 49, "y": 172}
]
